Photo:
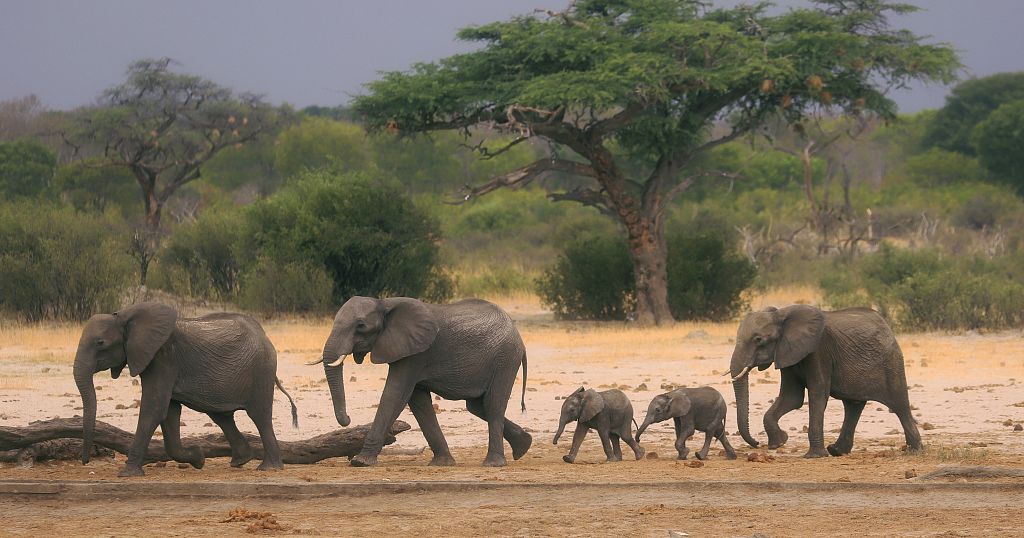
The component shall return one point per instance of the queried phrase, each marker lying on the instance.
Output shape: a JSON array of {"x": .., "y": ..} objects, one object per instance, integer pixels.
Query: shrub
[
  {"x": 592, "y": 279},
  {"x": 366, "y": 235},
  {"x": 58, "y": 264},
  {"x": 274, "y": 287},
  {"x": 201, "y": 259}
]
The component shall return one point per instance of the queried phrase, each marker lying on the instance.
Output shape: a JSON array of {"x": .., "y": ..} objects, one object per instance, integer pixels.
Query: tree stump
[{"x": 345, "y": 442}]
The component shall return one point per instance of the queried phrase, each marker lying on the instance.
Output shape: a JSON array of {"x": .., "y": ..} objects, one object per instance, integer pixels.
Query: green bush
[
  {"x": 56, "y": 263},
  {"x": 202, "y": 259},
  {"x": 272, "y": 287},
  {"x": 924, "y": 290},
  {"x": 592, "y": 279},
  {"x": 367, "y": 236},
  {"x": 26, "y": 169}
]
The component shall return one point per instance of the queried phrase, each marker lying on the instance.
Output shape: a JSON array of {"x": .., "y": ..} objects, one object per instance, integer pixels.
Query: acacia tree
[
  {"x": 611, "y": 82},
  {"x": 163, "y": 126}
]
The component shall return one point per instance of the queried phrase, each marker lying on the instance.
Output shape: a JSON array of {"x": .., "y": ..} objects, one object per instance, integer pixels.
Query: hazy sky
[{"x": 320, "y": 52}]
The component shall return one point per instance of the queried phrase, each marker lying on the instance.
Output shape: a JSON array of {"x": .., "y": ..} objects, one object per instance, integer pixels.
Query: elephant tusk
[
  {"x": 316, "y": 362},
  {"x": 338, "y": 361},
  {"x": 741, "y": 374}
]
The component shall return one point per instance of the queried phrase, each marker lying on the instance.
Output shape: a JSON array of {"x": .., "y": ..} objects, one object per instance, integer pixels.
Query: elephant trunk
[
  {"x": 85, "y": 367},
  {"x": 742, "y": 390},
  {"x": 561, "y": 428},
  {"x": 642, "y": 428},
  {"x": 336, "y": 381}
]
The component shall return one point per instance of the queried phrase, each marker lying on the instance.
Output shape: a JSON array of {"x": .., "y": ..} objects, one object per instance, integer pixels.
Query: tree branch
[
  {"x": 587, "y": 197},
  {"x": 523, "y": 176}
]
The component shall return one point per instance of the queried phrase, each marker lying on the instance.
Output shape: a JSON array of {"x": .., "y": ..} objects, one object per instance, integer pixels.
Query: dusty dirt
[{"x": 967, "y": 388}]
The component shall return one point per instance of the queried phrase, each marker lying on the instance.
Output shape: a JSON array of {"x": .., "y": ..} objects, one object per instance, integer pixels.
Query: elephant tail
[
  {"x": 295, "y": 410},
  {"x": 522, "y": 401},
  {"x": 635, "y": 425}
]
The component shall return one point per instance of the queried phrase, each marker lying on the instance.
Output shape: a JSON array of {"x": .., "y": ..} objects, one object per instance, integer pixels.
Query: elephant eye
[
  {"x": 361, "y": 326},
  {"x": 100, "y": 342},
  {"x": 759, "y": 339}
]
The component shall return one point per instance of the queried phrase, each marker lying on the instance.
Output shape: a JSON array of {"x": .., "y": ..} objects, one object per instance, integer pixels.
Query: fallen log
[
  {"x": 972, "y": 472},
  {"x": 346, "y": 442}
]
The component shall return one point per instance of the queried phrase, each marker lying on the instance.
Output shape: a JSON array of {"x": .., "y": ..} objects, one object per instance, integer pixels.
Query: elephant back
[
  {"x": 478, "y": 323},
  {"x": 220, "y": 350}
]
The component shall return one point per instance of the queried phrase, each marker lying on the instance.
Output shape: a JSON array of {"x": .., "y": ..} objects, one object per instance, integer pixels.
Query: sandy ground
[{"x": 968, "y": 390}]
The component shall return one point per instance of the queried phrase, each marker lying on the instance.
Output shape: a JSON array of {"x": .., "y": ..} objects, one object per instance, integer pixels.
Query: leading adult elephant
[
  {"x": 469, "y": 350},
  {"x": 849, "y": 354},
  {"x": 215, "y": 364}
]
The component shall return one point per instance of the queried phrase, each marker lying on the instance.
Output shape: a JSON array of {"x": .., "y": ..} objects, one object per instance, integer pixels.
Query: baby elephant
[
  {"x": 608, "y": 412},
  {"x": 692, "y": 409}
]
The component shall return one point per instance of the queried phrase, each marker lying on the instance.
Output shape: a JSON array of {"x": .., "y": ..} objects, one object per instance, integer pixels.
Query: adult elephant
[
  {"x": 215, "y": 364},
  {"x": 469, "y": 350},
  {"x": 850, "y": 355}
]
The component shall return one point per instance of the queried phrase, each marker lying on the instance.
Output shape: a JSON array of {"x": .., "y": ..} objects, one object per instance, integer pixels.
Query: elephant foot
[
  {"x": 701, "y": 455},
  {"x": 363, "y": 460},
  {"x": 442, "y": 460},
  {"x": 640, "y": 453},
  {"x": 568, "y": 459},
  {"x": 730, "y": 455},
  {"x": 238, "y": 461},
  {"x": 613, "y": 459},
  {"x": 777, "y": 440},
  {"x": 917, "y": 449},
  {"x": 198, "y": 459},
  {"x": 495, "y": 460},
  {"x": 816, "y": 453},
  {"x": 682, "y": 455},
  {"x": 131, "y": 470},
  {"x": 520, "y": 445},
  {"x": 267, "y": 465},
  {"x": 836, "y": 450}
]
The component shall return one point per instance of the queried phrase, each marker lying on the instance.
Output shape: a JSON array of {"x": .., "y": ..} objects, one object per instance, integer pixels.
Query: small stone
[
  {"x": 437, "y": 409},
  {"x": 160, "y": 464},
  {"x": 1018, "y": 427},
  {"x": 352, "y": 379},
  {"x": 181, "y": 423},
  {"x": 135, "y": 382},
  {"x": 927, "y": 426},
  {"x": 1007, "y": 422},
  {"x": 208, "y": 425},
  {"x": 120, "y": 406},
  {"x": 695, "y": 464},
  {"x": 183, "y": 466},
  {"x": 760, "y": 457},
  {"x": 652, "y": 455},
  {"x": 641, "y": 387},
  {"x": 909, "y": 473}
]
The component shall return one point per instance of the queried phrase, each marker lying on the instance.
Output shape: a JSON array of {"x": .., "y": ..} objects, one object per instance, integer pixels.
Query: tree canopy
[
  {"x": 999, "y": 141},
  {"x": 609, "y": 82},
  {"x": 968, "y": 105}
]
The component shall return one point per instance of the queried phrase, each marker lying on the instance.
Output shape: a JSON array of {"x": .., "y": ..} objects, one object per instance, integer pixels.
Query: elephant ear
[
  {"x": 409, "y": 328},
  {"x": 593, "y": 403},
  {"x": 802, "y": 327},
  {"x": 679, "y": 406},
  {"x": 147, "y": 326}
]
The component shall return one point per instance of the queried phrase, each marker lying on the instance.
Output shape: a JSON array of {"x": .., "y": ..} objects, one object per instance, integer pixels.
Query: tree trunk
[
  {"x": 338, "y": 443},
  {"x": 649, "y": 253}
]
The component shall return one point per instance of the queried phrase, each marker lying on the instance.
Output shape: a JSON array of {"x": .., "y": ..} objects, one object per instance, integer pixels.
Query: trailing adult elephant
[
  {"x": 849, "y": 354},
  {"x": 215, "y": 364},
  {"x": 469, "y": 350}
]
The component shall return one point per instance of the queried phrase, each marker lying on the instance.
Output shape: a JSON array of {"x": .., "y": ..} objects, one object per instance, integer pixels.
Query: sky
[{"x": 321, "y": 52}]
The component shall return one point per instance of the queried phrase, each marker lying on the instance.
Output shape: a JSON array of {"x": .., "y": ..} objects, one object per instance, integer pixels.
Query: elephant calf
[
  {"x": 700, "y": 409},
  {"x": 608, "y": 412},
  {"x": 215, "y": 364}
]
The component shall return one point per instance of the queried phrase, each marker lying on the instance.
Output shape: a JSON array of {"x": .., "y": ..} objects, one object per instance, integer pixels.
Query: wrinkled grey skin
[
  {"x": 469, "y": 350},
  {"x": 699, "y": 409},
  {"x": 216, "y": 364},
  {"x": 850, "y": 355},
  {"x": 609, "y": 412}
]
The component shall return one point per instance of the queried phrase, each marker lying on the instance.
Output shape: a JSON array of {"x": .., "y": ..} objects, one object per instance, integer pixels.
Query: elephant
[
  {"x": 215, "y": 364},
  {"x": 609, "y": 412},
  {"x": 469, "y": 350},
  {"x": 849, "y": 354},
  {"x": 698, "y": 409}
]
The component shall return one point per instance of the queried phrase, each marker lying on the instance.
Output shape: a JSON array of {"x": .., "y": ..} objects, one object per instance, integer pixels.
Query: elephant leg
[
  {"x": 818, "y": 401},
  {"x": 730, "y": 453},
  {"x": 263, "y": 417},
  {"x": 616, "y": 447},
  {"x": 627, "y": 436},
  {"x": 241, "y": 452},
  {"x": 577, "y": 440},
  {"x": 606, "y": 444},
  {"x": 909, "y": 428},
  {"x": 171, "y": 426},
  {"x": 155, "y": 400},
  {"x": 851, "y": 415},
  {"x": 393, "y": 399},
  {"x": 686, "y": 430},
  {"x": 494, "y": 409},
  {"x": 702, "y": 454},
  {"x": 518, "y": 438},
  {"x": 426, "y": 417},
  {"x": 791, "y": 397}
]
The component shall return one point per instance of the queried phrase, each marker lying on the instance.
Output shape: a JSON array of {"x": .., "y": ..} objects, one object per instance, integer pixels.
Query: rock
[
  {"x": 1007, "y": 422},
  {"x": 437, "y": 409},
  {"x": 208, "y": 425},
  {"x": 183, "y": 466},
  {"x": 135, "y": 382},
  {"x": 120, "y": 406},
  {"x": 1018, "y": 427},
  {"x": 181, "y": 423},
  {"x": 352, "y": 379},
  {"x": 760, "y": 457},
  {"x": 558, "y": 397},
  {"x": 641, "y": 387},
  {"x": 531, "y": 389},
  {"x": 909, "y": 473},
  {"x": 667, "y": 386},
  {"x": 927, "y": 426},
  {"x": 652, "y": 455},
  {"x": 160, "y": 464},
  {"x": 695, "y": 464}
]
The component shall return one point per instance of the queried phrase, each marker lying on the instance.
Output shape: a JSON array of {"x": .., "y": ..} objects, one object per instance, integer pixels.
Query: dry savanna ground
[{"x": 968, "y": 390}]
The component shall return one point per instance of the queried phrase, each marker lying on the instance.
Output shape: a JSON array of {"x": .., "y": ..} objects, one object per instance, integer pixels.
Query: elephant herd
[{"x": 470, "y": 350}]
